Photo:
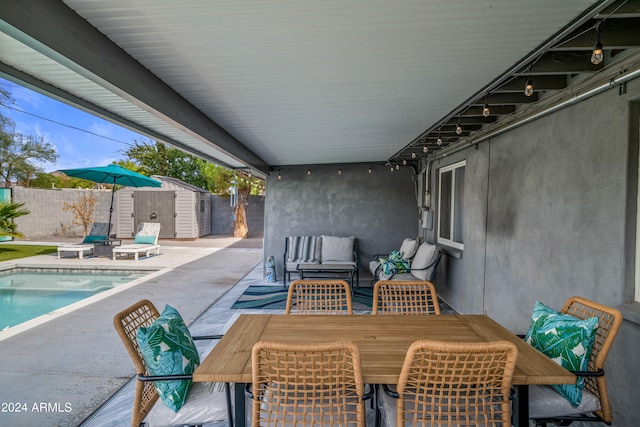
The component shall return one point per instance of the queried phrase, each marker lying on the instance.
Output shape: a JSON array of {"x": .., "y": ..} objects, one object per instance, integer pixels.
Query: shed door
[{"x": 155, "y": 206}]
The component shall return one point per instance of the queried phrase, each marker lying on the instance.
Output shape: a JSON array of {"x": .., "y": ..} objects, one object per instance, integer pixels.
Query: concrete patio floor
[{"x": 57, "y": 373}]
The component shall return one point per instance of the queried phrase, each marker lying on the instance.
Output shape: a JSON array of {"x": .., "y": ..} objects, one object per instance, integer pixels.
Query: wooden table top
[{"x": 383, "y": 342}]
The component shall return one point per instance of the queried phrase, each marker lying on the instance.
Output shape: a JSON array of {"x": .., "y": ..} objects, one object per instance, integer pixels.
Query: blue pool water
[{"x": 25, "y": 295}]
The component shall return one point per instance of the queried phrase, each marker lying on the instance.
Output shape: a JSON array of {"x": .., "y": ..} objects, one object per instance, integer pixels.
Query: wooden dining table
[{"x": 383, "y": 342}]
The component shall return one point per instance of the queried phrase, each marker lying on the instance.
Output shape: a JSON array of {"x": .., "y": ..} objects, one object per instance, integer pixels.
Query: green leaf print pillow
[
  {"x": 565, "y": 339},
  {"x": 168, "y": 349}
]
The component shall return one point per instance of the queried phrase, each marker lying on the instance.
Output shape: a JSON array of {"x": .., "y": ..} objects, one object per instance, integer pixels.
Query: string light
[
  {"x": 279, "y": 176},
  {"x": 339, "y": 171},
  {"x": 528, "y": 88},
  {"x": 485, "y": 111},
  {"x": 458, "y": 128},
  {"x": 308, "y": 171},
  {"x": 439, "y": 141},
  {"x": 425, "y": 149},
  {"x": 404, "y": 162},
  {"x": 370, "y": 170},
  {"x": 413, "y": 154},
  {"x": 598, "y": 55}
]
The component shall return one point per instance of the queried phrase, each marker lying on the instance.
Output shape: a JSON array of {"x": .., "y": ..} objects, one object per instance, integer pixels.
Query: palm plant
[{"x": 8, "y": 212}]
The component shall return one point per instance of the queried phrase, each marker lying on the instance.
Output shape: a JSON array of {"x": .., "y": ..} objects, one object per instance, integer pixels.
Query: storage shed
[{"x": 182, "y": 209}]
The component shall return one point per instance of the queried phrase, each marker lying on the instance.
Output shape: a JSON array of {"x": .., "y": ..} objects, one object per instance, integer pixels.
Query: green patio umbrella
[{"x": 112, "y": 174}]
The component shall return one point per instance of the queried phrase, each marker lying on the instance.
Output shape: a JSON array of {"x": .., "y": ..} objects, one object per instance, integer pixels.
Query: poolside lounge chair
[
  {"x": 145, "y": 241},
  {"x": 98, "y": 231}
]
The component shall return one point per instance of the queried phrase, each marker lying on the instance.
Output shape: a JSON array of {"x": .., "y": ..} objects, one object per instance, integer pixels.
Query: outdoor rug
[{"x": 275, "y": 298}]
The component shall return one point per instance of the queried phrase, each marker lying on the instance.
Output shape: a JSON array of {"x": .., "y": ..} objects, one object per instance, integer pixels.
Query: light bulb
[
  {"x": 308, "y": 171},
  {"x": 485, "y": 111},
  {"x": 458, "y": 129},
  {"x": 598, "y": 55},
  {"x": 398, "y": 167},
  {"x": 392, "y": 168},
  {"x": 413, "y": 154},
  {"x": 528, "y": 88},
  {"x": 279, "y": 176},
  {"x": 439, "y": 141},
  {"x": 339, "y": 171},
  {"x": 404, "y": 162},
  {"x": 425, "y": 149},
  {"x": 370, "y": 170}
]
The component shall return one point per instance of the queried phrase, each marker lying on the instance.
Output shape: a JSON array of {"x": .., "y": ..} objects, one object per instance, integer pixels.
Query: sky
[{"x": 81, "y": 139}]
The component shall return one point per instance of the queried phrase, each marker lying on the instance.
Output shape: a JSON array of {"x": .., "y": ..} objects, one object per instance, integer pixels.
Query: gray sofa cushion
[
  {"x": 409, "y": 248},
  {"x": 304, "y": 249},
  {"x": 337, "y": 249},
  {"x": 421, "y": 260}
]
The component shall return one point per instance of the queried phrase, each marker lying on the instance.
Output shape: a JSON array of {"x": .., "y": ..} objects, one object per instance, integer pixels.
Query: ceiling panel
[{"x": 315, "y": 81}]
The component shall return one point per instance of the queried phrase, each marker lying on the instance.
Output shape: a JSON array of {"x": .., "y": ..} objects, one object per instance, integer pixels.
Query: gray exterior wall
[
  {"x": 550, "y": 212},
  {"x": 47, "y": 217},
  {"x": 379, "y": 209},
  {"x": 222, "y": 216}
]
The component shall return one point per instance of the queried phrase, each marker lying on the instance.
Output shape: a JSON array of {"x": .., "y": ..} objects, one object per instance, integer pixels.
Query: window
[
  {"x": 451, "y": 209},
  {"x": 202, "y": 205}
]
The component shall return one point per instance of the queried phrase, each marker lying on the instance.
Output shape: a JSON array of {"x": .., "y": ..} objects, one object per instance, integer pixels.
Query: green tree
[
  {"x": 20, "y": 155},
  {"x": 226, "y": 182},
  {"x": 8, "y": 212},
  {"x": 156, "y": 158},
  {"x": 49, "y": 180}
]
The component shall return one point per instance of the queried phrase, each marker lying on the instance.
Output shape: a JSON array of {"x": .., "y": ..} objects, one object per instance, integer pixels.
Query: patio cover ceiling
[{"x": 261, "y": 84}]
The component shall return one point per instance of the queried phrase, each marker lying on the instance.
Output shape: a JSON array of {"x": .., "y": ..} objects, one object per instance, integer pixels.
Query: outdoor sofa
[
  {"x": 316, "y": 251},
  {"x": 420, "y": 263}
]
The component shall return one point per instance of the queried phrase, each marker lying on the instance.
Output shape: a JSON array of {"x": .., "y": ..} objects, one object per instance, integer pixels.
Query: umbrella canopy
[{"x": 112, "y": 174}]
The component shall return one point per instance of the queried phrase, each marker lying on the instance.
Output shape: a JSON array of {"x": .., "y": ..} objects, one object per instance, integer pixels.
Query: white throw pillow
[
  {"x": 421, "y": 261},
  {"x": 337, "y": 249},
  {"x": 408, "y": 248}
]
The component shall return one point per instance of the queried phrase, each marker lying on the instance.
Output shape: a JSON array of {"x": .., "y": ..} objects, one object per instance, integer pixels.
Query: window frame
[{"x": 452, "y": 208}]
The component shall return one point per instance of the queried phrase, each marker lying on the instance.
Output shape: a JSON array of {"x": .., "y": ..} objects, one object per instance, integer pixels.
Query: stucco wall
[
  {"x": 222, "y": 216},
  {"x": 379, "y": 209},
  {"x": 547, "y": 217}
]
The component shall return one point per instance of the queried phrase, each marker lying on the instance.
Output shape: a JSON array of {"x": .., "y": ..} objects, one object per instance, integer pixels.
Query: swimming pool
[{"x": 28, "y": 293}]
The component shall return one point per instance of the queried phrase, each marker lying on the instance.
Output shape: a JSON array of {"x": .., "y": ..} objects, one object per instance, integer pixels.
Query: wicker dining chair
[
  {"x": 452, "y": 383},
  {"x": 319, "y": 297},
  {"x": 307, "y": 384},
  {"x": 127, "y": 322},
  {"x": 541, "y": 398},
  {"x": 400, "y": 297}
]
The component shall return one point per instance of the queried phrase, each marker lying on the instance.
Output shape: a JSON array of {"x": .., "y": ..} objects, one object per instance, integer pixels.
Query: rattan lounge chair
[
  {"x": 317, "y": 296},
  {"x": 98, "y": 231},
  {"x": 448, "y": 383},
  {"x": 396, "y": 297},
  {"x": 316, "y": 384},
  {"x": 547, "y": 406},
  {"x": 145, "y": 241},
  {"x": 202, "y": 402}
]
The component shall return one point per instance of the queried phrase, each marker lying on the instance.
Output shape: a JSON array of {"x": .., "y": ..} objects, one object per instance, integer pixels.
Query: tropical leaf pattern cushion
[
  {"x": 168, "y": 349},
  {"x": 565, "y": 339},
  {"x": 394, "y": 264}
]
